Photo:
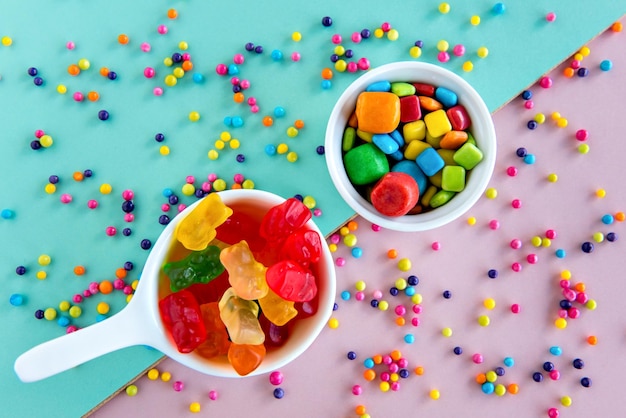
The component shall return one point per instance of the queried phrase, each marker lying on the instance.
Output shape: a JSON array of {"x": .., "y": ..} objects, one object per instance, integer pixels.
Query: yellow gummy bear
[
  {"x": 276, "y": 309},
  {"x": 245, "y": 274},
  {"x": 197, "y": 229}
]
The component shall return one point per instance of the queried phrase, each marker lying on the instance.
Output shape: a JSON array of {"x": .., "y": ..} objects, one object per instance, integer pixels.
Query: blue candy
[
  {"x": 397, "y": 136},
  {"x": 430, "y": 161},
  {"x": 446, "y": 97},
  {"x": 379, "y": 86},
  {"x": 412, "y": 169},
  {"x": 385, "y": 143}
]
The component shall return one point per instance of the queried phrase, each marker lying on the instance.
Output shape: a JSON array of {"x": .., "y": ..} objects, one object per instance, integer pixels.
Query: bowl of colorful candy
[
  {"x": 240, "y": 283},
  {"x": 410, "y": 146}
]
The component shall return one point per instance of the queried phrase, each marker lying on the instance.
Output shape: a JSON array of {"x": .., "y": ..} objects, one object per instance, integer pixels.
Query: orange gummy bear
[
  {"x": 378, "y": 112},
  {"x": 245, "y": 358},
  {"x": 217, "y": 342},
  {"x": 197, "y": 229}
]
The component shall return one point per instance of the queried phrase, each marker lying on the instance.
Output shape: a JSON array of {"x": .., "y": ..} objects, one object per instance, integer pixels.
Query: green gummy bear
[{"x": 198, "y": 267}]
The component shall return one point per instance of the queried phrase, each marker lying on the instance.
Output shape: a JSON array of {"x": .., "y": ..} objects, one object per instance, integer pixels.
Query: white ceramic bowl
[
  {"x": 482, "y": 129},
  {"x": 139, "y": 323}
]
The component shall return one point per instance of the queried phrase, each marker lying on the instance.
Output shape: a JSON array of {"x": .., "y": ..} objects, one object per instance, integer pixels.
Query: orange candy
[
  {"x": 105, "y": 287},
  {"x": 327, "y": 73},
  {"x": 481, "y": 378},
  {"x": 73, "y": 70},
  {"x": 187, "y": 65},
  {"x": 268, "y": 121},
  {"x": 93, "y": 96},
  {"x": 400, "y": 321},
  {"x": 120, "y": 273},
  {"x": 123, "y": 39},
  {"x": 104, "y": 71},
  {"x": 299, "y": 124},
  {"x": 78, "y": 176},
  {"x": 513, "y": 388},
  {"x": 352, "y": 121},
  {"x": 378, "y": 112},
  {"x": 360, "y": 409},
  {"x": 217, "y": 342},
  {"x": 592, "y": 340},
  {"x": 369, "y": 375},
  {"x": 617, "y": 27},
  {"x": 79, "y": 270},
  {"x": 568, "y": 72},
  {"x": 245, "y": 358},
  {"x": 620, "y": 216},
  {"x": 429, "y": 104},
  {"x": 238, "y": 97},
  {"x": 172, "y": 13},
  {"x": 392, "y": 253},
  {"x": 453, "y": 140}
]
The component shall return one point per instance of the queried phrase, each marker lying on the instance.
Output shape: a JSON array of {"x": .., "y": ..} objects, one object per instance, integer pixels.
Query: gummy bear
[
  {"x": 245, "y": 358},
  {"x": 240, "y": 317},
  {"x": 281, "y": 220},
  {"x": 198, "y": 267},
  {"x": 245, "y": 274},
  {"x": 291, "y": 281},
  {"x": 275, "y": 335},
  {"x": 216, "y": 342},
  {"x": 304, "y": 246},
  {"x": 198, "y": 228},
  {"x": 278, "y": 310},
  {"x": 181, "y": 315},
  {"x": 241, "y": 226}
]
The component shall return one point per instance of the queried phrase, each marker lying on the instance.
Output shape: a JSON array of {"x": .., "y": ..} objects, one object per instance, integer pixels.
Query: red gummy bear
[
  {"x": 181, "y": 315},
  {"x": 281, "y": 220},
  {"x": 291, "y": 281},
  {"x": 303, "y": 246},
  {"x": 241, "y": 226}
]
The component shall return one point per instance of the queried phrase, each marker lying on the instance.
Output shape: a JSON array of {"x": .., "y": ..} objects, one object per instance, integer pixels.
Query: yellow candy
[
  {"x": 404, "y": 264},
  {"x": 482, "y": 52},
  {"x": 333, "y": 323},
  {"x": 468, "y": 66},
  {"x": 491, "y": 193},
  {"x": 393, "y": 35},
  {"x": 278, "y": 310},
  {"x": 437, "y": 123},
  {"x": 489, "y": 303},
  {"x": 164, "y": 150},
  {"x": 446, "y": 332},
  {"x": 414, "y": 131},
  {"x": 560, "y": 323},
  {"x": 415, "y": 148},
  {"x": 483, "y": 320},
  {"x": 197, "y": 229},
  {"x": 415, "y": 51}
]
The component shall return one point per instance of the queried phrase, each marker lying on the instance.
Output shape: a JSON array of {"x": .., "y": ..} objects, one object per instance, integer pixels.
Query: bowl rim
[{"x": 482, "y": 122}]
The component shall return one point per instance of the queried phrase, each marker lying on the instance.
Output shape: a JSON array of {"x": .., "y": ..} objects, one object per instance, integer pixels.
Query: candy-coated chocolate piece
[
  {"x": 378, "y": 112},
  {"x": 412, "y": 169},
  {"x": 365, "y": 164},
  {"x": 245, "y": 274},
  {"x": 468, "y": 156},
  {"x": 459, "y": 118},
  {"x": 424, "y": 89},
  {"x": 240, "y": 318},
  {"x": 414, "y": 131},
  {"x": 385, "y": 143},
  {"x": 395, "y": 194},
  {"x": 453, "y": 178},
  {"x": 402, "y": 89},
  {"x": 198, "y": 267},
  {"x": 197, "y": 229},
  {"x": 410, "y": 109},
  {"x": 217, "y": 341},
  {"x": 291, "y": 281},
  {"x": 453, "y": 140},
  {"x": 245, "y": 358},
  {"x": 429, "y": 161},
  {"x": 276, "y": 309},
  {"x": 446, "y": 97},
  {"x": 281, "y": 220},
  {"x": 437, "y": 123},
  {"x": 181, "y": 316},
  {"x": 304, "y": 247}
]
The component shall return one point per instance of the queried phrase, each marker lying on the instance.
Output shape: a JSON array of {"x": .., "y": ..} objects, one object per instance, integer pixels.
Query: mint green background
[{"x": 122, "y": 152}]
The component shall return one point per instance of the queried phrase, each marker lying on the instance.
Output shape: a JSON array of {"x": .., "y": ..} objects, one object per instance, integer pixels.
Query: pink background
[{"x": 319, "y": 383}]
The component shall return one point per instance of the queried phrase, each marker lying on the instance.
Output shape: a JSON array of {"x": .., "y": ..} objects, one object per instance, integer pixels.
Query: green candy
[
  {"x": 468, "y": 156},
  {"x": 441, "y": 198},
  {"x": 401, "y": 89},
  {"x": 349, "y": 136},
  {"x": 453, "y": 178},
  {"x": 198, "y": 267},
  {"x": 365, "y": 164}
]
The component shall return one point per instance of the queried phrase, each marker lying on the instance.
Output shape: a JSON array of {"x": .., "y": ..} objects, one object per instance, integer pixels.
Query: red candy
[
  {"x": 459, "y": 118},
  {"x": 281, "y": 220},
  {"x": 395, "y": 194},
  {"x": 216, "y": 342},
  {"x": 182, "y": 317},
  {"x": 291, "y": 281},
  {"x": 423, "y": 89},
  {"x": 303, "y": 246},
  {"x": 410, "y": 109}
]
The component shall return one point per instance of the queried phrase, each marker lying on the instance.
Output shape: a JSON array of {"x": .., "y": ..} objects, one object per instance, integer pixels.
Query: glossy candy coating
[
  {"x": 276, "y": 309},
  {"x": 198, "y": 267},
  {"x": 245, "y": 358},
  {"x": 217, "y": 342},
  {"x": 283, "y": 219},
  {"x": 240, "y": 317},
  {"x": 291, "y": 281},
  {"x": 245, "y": 274}
]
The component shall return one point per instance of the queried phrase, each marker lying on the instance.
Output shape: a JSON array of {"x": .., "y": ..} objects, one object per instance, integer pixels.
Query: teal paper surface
[{"x": 122, "y": 151}]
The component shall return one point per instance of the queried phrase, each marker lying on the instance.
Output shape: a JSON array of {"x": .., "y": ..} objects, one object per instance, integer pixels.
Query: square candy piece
[
  {"x": 453, "y": 178},
  {"x": 410, "y": 110},
  {"x": 437, "y": 123},
  {"x": 468, "y": 156},
  {"x": 429, "y": 161},
  {"x": 378, "y": 112}
]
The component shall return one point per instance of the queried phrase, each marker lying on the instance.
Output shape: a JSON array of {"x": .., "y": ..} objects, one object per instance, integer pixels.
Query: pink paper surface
[{"x": 320, "y": 382}]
